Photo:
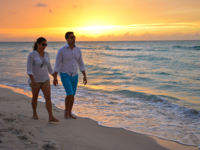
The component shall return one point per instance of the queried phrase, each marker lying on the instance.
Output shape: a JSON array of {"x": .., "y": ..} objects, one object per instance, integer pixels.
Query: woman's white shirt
[{"x": 34, "y": 62}]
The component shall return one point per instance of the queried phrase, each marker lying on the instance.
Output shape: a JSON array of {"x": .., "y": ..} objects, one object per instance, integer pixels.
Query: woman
[{"x": 38, "y": 67}]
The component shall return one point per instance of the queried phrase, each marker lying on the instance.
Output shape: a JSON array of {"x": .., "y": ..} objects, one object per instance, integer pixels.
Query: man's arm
[
  {"x": 82, "y": 68},
  {"x": 58, "y": 61},
  {"x": 84, "y": 77}
]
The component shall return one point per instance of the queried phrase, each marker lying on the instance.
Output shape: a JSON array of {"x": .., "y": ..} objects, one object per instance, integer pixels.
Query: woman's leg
[
  {"x": 35, "y": 92},
  {"x": 46, "y": 89}
]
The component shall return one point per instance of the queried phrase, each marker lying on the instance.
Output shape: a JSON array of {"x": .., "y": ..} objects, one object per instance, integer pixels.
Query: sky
[{"x": 100, "y": 20}]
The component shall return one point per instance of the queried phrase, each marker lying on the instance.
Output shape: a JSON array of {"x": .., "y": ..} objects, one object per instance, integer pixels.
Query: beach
[
  {"x": 19, "y": 131},
  {"x": 141, "y": 88}
]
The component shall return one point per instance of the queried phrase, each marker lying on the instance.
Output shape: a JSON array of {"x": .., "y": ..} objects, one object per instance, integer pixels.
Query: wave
[
  {"x": 151, "y": 58},
  {"x": 87, "y": 48},
  {"x": 188, "y": 47},
  {"x": 24, "y": 51},
  {"x": 162, "y": 50},
  {"x": 196, "y": 78},
  {"x": 143, "y": 79},
  {"x": 108, "y": 48},
  {"x": 154, "y": 115},
  {"x": 163, "y": 73},
  {"x": 161, "y": 100},
  {"x": 122, "y": 49}
]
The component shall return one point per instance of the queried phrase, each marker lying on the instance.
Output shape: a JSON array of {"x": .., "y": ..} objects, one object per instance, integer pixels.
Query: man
[{"x": 67, "y": 60}]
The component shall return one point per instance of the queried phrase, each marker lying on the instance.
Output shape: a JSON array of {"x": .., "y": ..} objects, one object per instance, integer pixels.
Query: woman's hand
[
  {"x": 53, "y": 75},
  {"x": 34, "y": 82}
]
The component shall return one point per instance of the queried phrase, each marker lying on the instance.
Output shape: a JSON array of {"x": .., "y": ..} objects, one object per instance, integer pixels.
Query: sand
[{"x": 19, "y": 131}]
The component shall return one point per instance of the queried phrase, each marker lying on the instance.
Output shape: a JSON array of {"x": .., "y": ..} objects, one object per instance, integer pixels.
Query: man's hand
[
  {"x": 84, "y": 80},
  {"x": 55, "y": 81}
]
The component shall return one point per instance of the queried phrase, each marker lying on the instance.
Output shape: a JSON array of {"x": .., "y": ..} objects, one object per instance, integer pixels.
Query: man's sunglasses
[
  {"x": 72, "y": 37},
  {"x": 44, "y": 44}
]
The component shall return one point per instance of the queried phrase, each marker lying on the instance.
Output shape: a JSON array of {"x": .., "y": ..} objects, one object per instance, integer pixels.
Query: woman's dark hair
[{"x": 39, "y": 40}]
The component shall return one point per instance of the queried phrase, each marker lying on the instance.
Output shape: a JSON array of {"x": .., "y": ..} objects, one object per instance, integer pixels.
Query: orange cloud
[
  {"x": 41, "y": 5},
  {"x": 100, "y": 19},
  {"x": 145, "y": 37}
]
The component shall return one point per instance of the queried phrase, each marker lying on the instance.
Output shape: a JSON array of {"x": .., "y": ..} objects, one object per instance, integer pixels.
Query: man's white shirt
[{"x": 68, "y": 60}]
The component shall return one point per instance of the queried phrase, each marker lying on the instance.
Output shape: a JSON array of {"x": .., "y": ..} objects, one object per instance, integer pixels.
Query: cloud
[
  {"x": 144, "y": 37},
  {"x": 50, "y": 11},
  {"x": 74, "y": 6},
  {"x": 41, "y": 5}
]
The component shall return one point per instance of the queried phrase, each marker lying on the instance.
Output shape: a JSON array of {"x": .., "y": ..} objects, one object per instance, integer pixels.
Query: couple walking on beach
[{"x": 68, "y": 58}]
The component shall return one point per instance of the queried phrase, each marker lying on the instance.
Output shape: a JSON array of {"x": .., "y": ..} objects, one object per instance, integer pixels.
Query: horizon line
[{"x": 109, "y": 41}]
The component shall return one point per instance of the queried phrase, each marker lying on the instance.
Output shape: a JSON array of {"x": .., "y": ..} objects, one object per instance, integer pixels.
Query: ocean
[{"x": 149, "y": 87}]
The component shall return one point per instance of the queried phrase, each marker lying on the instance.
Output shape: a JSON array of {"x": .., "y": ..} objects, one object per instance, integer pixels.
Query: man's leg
[
  {"x": 74, "y": 82},
  {"x": 68, "y": 108},
  {"x": 66, "y": 81}
]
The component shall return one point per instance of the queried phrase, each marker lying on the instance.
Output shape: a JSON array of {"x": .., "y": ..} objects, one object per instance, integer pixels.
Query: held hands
[
  {"x": 53, "y": 75},
  {"x": 55, "y": 81},
  {"x": 84, "y": 80}
]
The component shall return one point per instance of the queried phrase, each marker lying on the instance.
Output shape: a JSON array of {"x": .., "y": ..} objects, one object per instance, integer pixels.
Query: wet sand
[{"x": 19, "y": 131}]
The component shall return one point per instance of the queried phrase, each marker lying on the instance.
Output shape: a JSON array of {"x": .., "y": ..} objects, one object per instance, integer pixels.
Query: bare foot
[
  {"x": 35, "y": 117},
  {"x": 71, "y": 116},
  {"x": 66, "y": 114},
  {"x": 53, "y": 120}
]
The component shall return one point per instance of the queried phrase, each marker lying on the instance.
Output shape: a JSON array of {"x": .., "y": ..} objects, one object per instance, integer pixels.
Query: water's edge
[{"x": 28, "y": 94}]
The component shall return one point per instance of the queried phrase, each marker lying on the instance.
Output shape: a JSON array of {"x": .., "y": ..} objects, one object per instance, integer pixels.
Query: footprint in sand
[
  {"x": 30, "y": 145},
  {"x": 49, "y": 145},
  {"x": 9, "y": 119},
  {"x": 1, "y": 135},
  {"x": 27, "y": 143},
  {"x": 17, "y": 131},
  {"x": 1, "y": 115},
  {"x": 23, "y": 116},
  {"x": 24, "y": 137},
  {"x": 6, "y": 130},
  {"x": 40, "y": 130},
  {"x": 31, "y": 133},
  {"x": 56, "y": 110}
]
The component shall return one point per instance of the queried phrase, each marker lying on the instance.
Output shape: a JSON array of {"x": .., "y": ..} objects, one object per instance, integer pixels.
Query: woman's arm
[
  {"x": 29, "y": 68},
  {"x": 50, "y": 70}
]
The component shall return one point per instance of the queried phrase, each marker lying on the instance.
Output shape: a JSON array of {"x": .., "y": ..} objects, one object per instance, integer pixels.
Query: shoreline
[{"x": 83, "y": 133}]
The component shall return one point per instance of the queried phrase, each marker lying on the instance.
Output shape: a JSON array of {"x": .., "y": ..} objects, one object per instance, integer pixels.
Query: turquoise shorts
[{"x": 70, "y": 83}]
